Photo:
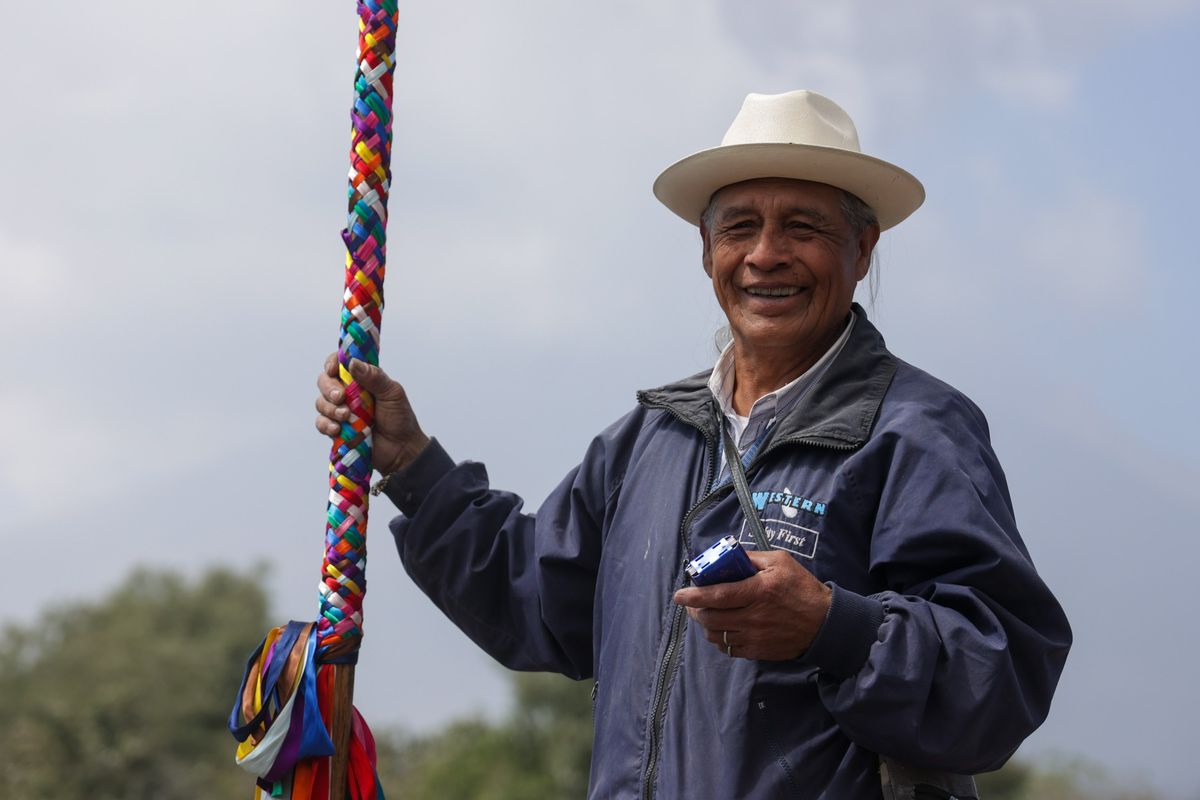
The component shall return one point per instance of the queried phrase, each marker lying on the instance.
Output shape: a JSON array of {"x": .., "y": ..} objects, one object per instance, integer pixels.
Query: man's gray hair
[
  {"x": 857, "y": 213},
  {"x": 860, "y": 216}
]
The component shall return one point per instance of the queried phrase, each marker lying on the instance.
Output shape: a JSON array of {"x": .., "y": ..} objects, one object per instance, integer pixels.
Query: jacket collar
[{"x": 838, "y": 412}]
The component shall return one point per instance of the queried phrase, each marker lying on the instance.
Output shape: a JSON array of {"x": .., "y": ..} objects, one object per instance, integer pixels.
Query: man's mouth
[{"x": 772, "y": 291}]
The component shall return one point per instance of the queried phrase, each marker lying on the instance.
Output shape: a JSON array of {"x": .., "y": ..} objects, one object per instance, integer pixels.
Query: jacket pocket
[{"x": 769, "y": 738}]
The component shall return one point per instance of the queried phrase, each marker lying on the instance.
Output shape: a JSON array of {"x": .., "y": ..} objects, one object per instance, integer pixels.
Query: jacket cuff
[
  {"x": 844, "y": 641},
  {"x": 409, "y": 487}
]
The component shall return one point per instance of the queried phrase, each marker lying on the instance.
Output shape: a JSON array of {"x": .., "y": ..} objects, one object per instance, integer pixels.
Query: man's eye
[{"x": 801, "y": 227}]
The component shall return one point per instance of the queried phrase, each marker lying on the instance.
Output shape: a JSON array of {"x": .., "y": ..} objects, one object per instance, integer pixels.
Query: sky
[{"x": 173, "y": 182}]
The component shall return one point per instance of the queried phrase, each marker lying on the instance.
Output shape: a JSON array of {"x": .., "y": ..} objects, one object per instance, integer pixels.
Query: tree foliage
[
  {"x": 1057, "y": 779},
  {"x": 542, "y": 750},
  {"x": 127, "y": 698}
]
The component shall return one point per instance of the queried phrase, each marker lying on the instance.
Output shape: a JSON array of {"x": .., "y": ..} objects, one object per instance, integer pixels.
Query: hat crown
[
  {"x": 798, "y": 117},
  {"x": 798, "y": 135}
]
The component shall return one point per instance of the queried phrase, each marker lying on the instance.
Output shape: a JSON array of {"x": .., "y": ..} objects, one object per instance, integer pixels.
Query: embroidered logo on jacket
[{"x": 780, "y": 513}]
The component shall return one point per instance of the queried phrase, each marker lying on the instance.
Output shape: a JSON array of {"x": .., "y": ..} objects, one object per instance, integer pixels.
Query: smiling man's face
[{"x": 784, "y": 263}]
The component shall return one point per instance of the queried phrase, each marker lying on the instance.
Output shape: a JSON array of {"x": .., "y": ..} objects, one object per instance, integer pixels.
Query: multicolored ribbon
[{"x": 282, "y": 717}]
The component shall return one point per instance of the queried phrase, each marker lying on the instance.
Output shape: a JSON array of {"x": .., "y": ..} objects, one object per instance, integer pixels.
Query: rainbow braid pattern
[
  {"x": 286, "y": 714},
  {"x": 343, "y": 582}
]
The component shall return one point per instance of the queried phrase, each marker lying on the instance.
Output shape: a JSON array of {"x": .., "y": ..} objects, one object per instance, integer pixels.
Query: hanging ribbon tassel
[{"x": 293, "y": 717}]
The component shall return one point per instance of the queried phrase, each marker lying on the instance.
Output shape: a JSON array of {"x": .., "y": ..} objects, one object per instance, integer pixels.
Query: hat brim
[{"x": 686, "y": 186}]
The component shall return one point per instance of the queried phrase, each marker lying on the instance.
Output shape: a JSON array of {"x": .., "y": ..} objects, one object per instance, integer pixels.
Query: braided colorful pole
[{"x": 294, "y": 710}]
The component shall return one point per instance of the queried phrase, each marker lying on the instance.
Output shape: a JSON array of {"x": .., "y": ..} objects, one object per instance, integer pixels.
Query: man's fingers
[
  {"x": 722, "y": 595},
  {"x": 332, "y": 410},
  {"x": 330, "y": 387},
  {"x": 331, "y": 365},
  {"x": 720, "y": 619}
]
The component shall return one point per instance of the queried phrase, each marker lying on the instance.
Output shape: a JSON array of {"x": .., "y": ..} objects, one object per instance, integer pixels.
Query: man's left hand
[{"x": 773, "y": 615}]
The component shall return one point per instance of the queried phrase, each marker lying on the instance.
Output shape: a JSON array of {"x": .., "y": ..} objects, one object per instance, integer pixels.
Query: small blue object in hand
[{"x": 724, "y": 562}]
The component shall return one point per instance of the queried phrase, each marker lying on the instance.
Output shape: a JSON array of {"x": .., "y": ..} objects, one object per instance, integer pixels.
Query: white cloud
[
  {"x": 898, "y": 63},
  {"x": 71, "y": 443},
  {"x": 1090, "y": 254},
  {"x": 35, "y": 291}
]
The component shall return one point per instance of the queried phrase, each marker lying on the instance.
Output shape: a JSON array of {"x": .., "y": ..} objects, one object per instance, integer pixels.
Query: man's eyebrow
[
  {"x": 810, "y": 213},
  {"x": 796, "y": 211},
  {"x": 736, "y": 211}
]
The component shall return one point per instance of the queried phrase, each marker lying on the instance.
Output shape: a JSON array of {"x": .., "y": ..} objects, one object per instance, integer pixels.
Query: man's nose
[{"x": 769, "y": 250}]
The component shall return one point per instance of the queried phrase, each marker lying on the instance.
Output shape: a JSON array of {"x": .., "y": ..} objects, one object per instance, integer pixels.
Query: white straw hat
[{"x": 801, "y": 135}]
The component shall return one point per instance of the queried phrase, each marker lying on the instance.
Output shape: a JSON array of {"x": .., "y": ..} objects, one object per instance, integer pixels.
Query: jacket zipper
[
  {"x": 670, "y": 657},
  {"x": 778, "y": 443},
  {"x": 670, "y": 660}
]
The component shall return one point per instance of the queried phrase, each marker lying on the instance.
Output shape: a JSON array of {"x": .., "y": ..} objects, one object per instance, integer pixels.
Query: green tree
[
  {"x": 127, "y": 698},
  {"x": 542, "y": 750},
  {"x": 1057, "y": 779}
]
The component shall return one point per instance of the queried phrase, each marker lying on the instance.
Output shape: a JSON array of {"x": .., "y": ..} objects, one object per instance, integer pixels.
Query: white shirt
[{"x": 771, "y": 406}]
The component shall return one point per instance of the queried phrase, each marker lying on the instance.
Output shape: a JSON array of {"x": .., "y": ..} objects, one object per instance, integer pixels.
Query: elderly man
[{"x": 895, "y": 616}]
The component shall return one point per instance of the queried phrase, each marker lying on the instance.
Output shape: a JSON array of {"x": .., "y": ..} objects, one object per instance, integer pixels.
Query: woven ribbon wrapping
[
  {"x": 283, "y": 710},
  {"x": 344, "y": 580}
]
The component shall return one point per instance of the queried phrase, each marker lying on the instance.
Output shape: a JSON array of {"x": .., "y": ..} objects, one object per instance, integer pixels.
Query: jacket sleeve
[
  {"x": 521, "y": 586},
  {"x": 955, "y": 662}
]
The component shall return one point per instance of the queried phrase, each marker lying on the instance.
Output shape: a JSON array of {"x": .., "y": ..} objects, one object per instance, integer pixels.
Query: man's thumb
[{"x": 370, "y": 377}]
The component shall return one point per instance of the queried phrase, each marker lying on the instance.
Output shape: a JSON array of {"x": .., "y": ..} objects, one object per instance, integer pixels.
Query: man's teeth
[{"x": 778, "y": 291}]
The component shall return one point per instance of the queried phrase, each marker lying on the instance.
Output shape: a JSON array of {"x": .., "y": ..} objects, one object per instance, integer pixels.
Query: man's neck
[{"x": 760, "y": 371}]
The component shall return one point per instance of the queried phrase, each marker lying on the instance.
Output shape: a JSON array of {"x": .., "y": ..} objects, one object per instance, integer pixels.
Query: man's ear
[
  {"x": 706, "y": 252},
  {"x": 866, "y": 245}
]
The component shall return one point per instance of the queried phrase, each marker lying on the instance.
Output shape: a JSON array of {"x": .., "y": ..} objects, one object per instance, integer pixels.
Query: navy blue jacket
[{"x": 942, "y": 647}]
